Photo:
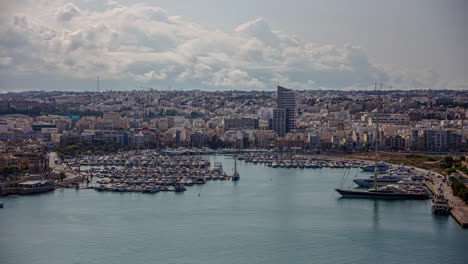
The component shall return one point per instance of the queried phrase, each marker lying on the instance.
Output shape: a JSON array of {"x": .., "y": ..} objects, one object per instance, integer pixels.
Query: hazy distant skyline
[{"x": 244, "y": 45}]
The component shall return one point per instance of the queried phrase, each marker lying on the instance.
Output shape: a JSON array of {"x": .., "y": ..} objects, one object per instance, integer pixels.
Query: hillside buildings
[{"x": 286, "y": 120}]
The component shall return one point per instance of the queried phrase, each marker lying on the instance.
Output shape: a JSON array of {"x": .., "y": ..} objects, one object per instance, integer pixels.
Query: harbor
[
  {"x": 272, "y": 207},
  {"x": 146, "y": 171}
]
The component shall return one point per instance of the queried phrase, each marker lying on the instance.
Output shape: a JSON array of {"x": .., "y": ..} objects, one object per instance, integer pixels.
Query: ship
[
  {"x": 235, "y": 176},
  {"x": 440, "y": 205},
  {"x": 390, "y": 177},
  {"x": 380, "y": 167},
  {"x": 388, "y": 192}
]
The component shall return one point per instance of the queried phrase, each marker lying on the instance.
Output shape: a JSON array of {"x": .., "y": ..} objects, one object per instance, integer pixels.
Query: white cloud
[
  {"x": 152, "y": 75},
  {"x": 144, "y": 43},
  {"x": 67, "y": 12}
]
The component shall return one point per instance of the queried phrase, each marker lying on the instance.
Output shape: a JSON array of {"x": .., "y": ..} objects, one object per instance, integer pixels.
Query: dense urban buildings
[{"x": 314, "y": 120}]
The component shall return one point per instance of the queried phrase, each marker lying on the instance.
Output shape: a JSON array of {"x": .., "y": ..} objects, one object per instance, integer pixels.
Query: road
[{"x": 57, "y": 166}]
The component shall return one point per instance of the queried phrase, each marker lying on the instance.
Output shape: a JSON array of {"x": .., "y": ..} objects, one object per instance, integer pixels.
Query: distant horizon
[{"x": 235, "y": 90}]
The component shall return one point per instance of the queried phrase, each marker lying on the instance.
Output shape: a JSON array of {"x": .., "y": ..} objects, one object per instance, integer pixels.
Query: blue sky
[{"x": 219, "y": 45}]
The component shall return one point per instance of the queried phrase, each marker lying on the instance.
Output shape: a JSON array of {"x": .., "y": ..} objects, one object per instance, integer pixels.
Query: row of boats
[
  {"x": 149, "y": 172},
  {"x": 282, "y": 160}
]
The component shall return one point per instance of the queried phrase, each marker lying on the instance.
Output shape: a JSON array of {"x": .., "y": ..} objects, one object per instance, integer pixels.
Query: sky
[{"x": 225, "y": 45}]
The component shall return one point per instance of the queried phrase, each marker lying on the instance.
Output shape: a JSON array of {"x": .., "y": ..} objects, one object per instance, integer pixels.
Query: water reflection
[{"x": 376, "y": 215}]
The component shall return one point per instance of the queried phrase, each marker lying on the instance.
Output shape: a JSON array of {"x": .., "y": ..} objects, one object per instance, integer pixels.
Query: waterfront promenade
[{"x": 459, "y": 210}]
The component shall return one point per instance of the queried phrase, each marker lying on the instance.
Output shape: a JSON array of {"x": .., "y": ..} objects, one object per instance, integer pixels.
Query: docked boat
[
  {"x": 388, "y": 192},
  {"x": 235, "y": 176},
  {"x": 380, "y": 167},
  {"x": 440, "y": 205},
  {"x": 391, "y": 176},
  {"x": 382, "y": 180},
  {"x": 218, "y": 167}
]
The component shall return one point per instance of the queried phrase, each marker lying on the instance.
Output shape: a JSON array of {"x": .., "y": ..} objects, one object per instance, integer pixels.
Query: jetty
[{"x": 440, "y": 185}]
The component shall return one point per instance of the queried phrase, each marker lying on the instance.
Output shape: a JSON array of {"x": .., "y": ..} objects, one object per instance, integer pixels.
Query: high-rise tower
[{"x": 284, "y": 116}]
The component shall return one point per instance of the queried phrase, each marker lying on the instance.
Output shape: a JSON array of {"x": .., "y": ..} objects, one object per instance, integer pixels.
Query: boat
[
  {"x": 386, "y": 179},
  {"x": 180, "y": 188},
  {"x": 235, "y": 176},
  {"x": 440, "y": 205},
  {"x": 380, "y": 167},
  {"x": 218, "y": 167},
  {"x": 387, "y": 192}
]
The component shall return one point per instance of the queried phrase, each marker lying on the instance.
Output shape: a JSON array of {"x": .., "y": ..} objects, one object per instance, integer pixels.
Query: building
[
  {"x": 199, "y": 139},
  {"x": 278, "y": 123},
  {"x": 395, "y": 143},
  {"x": 434, "y": 140},
  {"x": 240, "y": 123},
  {"x": 284, "y": 116}
]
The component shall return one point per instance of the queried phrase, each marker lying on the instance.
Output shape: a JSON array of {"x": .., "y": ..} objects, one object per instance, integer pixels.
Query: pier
[{"x": 438, "y": 184}]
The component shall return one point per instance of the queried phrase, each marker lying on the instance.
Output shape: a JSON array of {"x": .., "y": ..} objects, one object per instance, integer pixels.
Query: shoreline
[{"x": 459, "y": 210}]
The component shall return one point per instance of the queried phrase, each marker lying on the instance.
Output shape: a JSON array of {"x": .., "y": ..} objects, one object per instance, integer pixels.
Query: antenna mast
[
  {"x": 97, "y": 82},
  {"x": 376, "y": 140}
]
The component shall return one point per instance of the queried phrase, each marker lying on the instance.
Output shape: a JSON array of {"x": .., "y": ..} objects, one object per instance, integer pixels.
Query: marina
[
  {"x": 272, "y": 207},
  {"x": 146, "y": 171},
  {"x": 288, "y": 160}
]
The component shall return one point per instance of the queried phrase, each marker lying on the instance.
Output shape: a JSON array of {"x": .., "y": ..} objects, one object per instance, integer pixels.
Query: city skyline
[
  {"x": 64, "y": 45},
  {"x": 209, "y": 131}
]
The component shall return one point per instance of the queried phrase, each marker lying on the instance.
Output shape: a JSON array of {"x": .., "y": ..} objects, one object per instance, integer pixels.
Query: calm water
[{"x": 269, "y": 216}]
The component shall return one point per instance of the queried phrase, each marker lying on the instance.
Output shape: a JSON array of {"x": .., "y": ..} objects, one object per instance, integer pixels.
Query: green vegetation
[
  {"x": 9, "y": 170},
  {"x": 451, "y": 170},
  {"x": 459, "y": 189},
  {"x": 170, "y": 112},
  {"x": 85, "y": 148},
  {"x": 463, "y": 169},
  {"x": 194, "y": 115},
  {"x": 446, "y": 165},
  {"x": 62, "y": 176}
]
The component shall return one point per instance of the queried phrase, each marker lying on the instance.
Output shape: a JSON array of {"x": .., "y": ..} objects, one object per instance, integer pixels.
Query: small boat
[{"x": 235, "y": 176}]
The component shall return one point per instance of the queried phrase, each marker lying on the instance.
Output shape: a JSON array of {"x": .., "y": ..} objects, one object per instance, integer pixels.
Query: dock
[{"x": 459, "y": 210}]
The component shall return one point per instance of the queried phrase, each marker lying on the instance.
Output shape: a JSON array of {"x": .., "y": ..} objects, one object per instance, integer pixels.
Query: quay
[{"x": 439, "y": 184}]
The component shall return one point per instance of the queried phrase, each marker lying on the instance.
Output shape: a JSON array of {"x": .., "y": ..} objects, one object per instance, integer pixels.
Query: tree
[
  {"x": 449, "y": 159},
  {"x": 62, "y": 176}
]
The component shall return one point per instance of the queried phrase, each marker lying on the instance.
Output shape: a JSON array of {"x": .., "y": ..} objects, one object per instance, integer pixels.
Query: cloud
[
  {"x": 67, "y": 12},
  {"x": 142, "y": 43}
]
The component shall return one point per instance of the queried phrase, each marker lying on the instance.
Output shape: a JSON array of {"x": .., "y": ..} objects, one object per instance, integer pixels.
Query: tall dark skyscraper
[{"x": 284, "y": 116}]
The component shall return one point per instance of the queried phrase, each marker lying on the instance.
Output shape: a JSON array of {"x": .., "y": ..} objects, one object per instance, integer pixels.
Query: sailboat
[
  {"x": 386, "y": 192},
  {"x": 235, "y": 176}
]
